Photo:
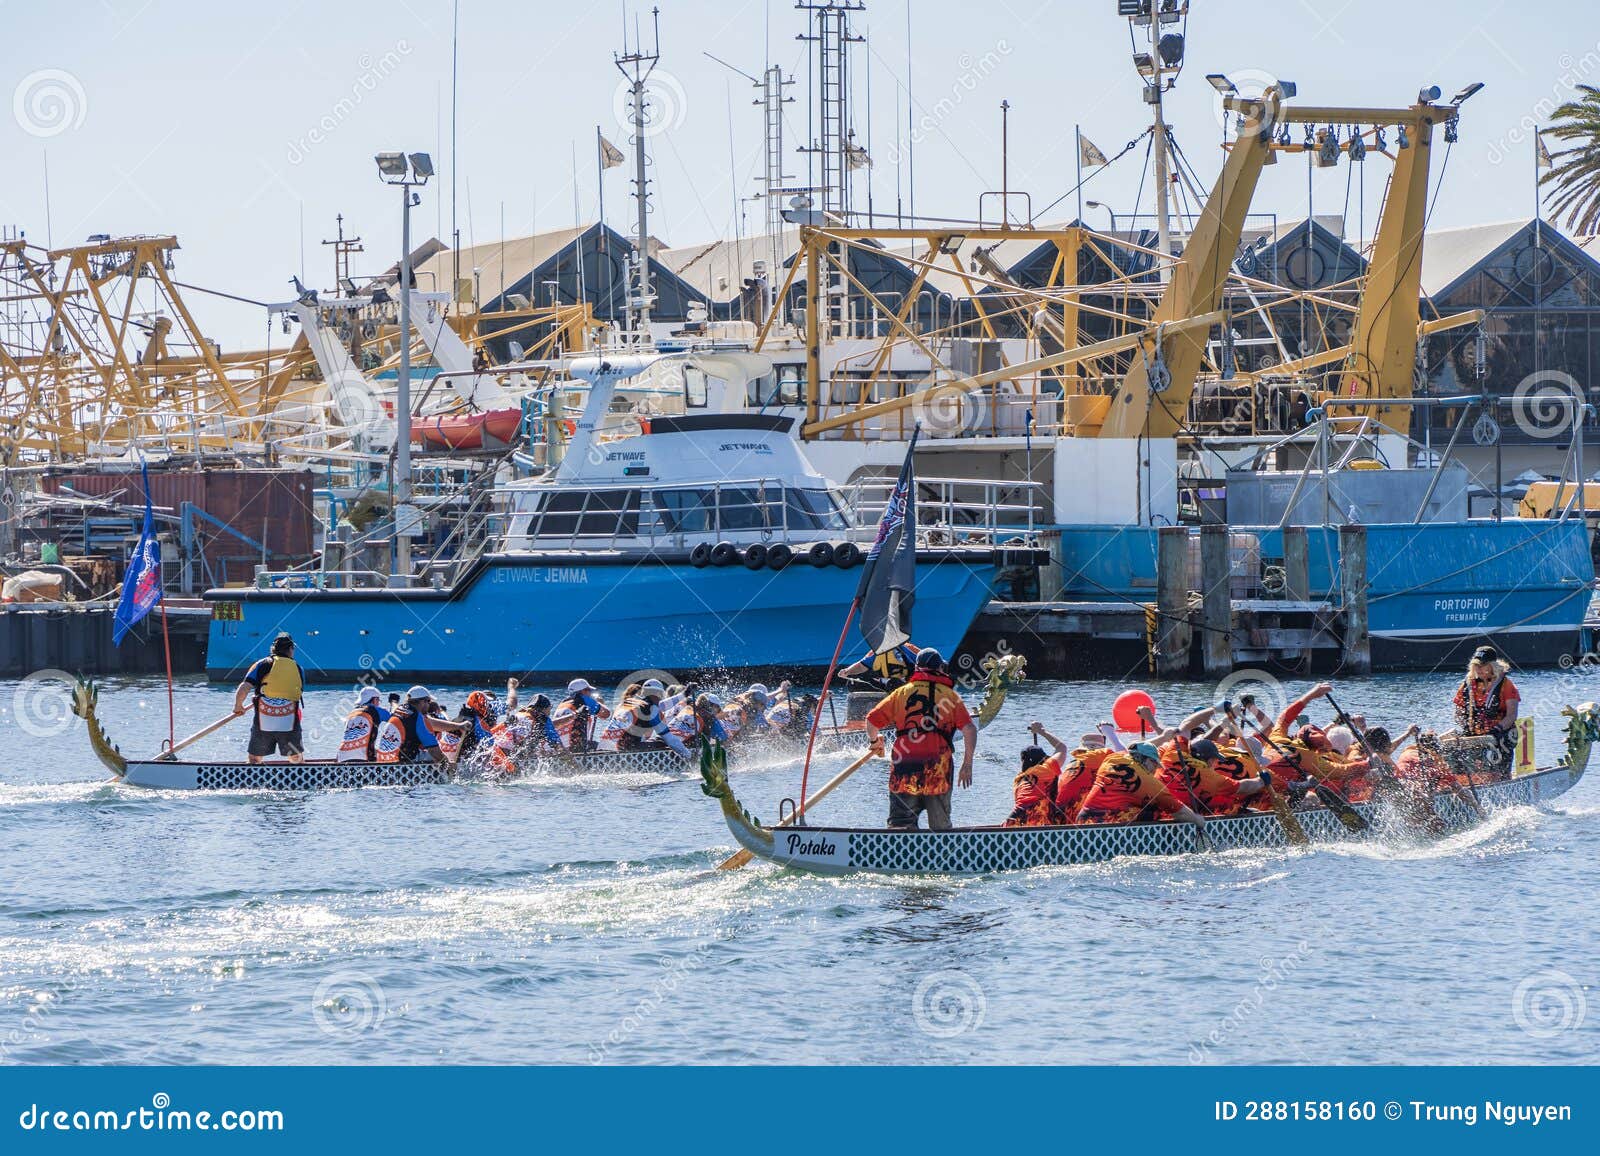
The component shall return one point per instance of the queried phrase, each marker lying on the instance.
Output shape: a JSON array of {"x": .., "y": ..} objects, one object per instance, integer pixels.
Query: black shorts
[{"x": 263, "y": 743}]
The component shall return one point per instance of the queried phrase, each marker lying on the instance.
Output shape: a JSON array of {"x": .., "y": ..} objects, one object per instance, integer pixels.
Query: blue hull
[
  {"x": 1433, "y": 591},
  {"x": 569, "y": 616}
]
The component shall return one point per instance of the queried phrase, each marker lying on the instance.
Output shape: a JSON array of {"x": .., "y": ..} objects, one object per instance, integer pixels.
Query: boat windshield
[{"x": 763, "y": 507}]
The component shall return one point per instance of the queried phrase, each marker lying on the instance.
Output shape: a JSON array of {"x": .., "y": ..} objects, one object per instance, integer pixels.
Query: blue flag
[
  {"x": 141, "y": 585},
  {"x": 889, "y": 577}
]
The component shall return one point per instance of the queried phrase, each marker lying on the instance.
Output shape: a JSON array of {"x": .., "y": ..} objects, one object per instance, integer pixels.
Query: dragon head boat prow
[
  {"x": 1583, "y": 731},
  {"x": 85, "y": 697},
  {"x": 746, "y": 828},
  {"x": 1003, "y": 673}
]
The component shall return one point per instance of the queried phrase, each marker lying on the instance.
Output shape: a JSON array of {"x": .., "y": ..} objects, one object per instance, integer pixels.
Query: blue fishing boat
[{"x": 706, "y": 542}]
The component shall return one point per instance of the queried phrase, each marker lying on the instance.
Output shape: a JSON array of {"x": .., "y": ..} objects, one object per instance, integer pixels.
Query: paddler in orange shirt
[
  {"x": 1034, "y": 789},
  {"x": 1126, "y": 790}
]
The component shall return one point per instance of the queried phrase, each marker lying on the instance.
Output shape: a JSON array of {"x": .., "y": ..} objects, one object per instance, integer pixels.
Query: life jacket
[
  {"x": 277, "y": 705},
  {"x": 398, "y": 741},
  {"x": 361, "y": 727},
  {"x": 925, "y": 714},
  {"x": 509, "y": 739},
  {"x": 1077, "y": 777},
  {"x": 572, "y": 717},
  {"x": 450, "y": 744},
  {"x": 1473, "y": 718},
  {"x": 622, "y": 731},
  {"x": 893, "y": 668}
]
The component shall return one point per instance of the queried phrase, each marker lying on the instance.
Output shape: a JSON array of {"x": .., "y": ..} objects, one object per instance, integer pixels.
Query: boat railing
[{"x": 950, "y": 510}]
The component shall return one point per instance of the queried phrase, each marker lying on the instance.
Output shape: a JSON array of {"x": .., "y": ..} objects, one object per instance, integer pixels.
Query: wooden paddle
[
  {"x": 171, "y": 753},
  {"x": 739, "y": 858},
  {"x": 1293, "y": 832}
]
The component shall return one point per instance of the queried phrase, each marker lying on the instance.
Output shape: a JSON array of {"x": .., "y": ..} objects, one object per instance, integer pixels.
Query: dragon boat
[
  {"x": 984, "y": 850},
  {"x": 168, "y": 773}
]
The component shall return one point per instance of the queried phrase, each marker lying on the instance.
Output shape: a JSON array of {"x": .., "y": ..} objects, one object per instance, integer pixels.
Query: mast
[
  {"x": 636, "y": 67},
  {"x": 1158, "y": 60}
]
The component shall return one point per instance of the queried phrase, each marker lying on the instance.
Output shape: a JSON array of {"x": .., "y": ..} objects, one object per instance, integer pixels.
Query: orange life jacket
[{"x": 1124, "y": 791}]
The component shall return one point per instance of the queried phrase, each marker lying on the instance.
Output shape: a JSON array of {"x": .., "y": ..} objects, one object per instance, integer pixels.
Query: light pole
[
  {"x": 1107, "y": 208},
  {"x": 408, "y": 172}
]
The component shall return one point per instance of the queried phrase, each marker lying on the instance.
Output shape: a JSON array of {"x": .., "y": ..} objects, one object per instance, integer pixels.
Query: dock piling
[
  {"x": 1356, "y": 654},
  {"x": 1216, "y": 571},
  {"x": 1297, "y": 573},
  {"x": 1174, "y": 635}
]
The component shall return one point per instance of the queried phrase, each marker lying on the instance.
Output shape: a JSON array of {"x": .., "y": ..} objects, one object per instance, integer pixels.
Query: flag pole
[
  {"x": 1077, "y": 140},
  {"x": 166, "y": 647},
  {"x": 816, "y": 715}
]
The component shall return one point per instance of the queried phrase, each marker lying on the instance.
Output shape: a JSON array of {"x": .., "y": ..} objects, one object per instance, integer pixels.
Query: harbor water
[{"x": 552, "y": 919}]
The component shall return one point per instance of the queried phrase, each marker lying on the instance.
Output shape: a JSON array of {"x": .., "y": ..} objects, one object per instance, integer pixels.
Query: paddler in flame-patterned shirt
[
  {"x": 926, "y": 713},
  {"x": 1126, "y": 790}
]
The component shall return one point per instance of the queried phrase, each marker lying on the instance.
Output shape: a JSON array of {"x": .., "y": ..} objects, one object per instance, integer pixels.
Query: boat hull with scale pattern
[
  {"x": 171, "y": 775},
  {"x": 985, "y": 850}
]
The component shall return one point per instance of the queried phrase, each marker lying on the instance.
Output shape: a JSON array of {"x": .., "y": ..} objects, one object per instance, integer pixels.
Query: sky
[{"x": 245, "y": 128}]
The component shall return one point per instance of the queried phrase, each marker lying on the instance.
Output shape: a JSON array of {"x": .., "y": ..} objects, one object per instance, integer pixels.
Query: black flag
[{"x": 889, "y": 577}]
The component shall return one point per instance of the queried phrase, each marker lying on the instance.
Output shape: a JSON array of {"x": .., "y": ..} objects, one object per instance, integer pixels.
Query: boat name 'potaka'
[{"x": 807, "y": 845}]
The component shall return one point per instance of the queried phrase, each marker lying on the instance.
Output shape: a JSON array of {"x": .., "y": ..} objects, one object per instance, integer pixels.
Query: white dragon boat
[
  {"x": 983, "y": 850},
  {"x": 168, "y": 773}
]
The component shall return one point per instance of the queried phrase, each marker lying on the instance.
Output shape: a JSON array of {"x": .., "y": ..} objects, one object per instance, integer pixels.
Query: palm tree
[{"x": 1575, "y": 172}]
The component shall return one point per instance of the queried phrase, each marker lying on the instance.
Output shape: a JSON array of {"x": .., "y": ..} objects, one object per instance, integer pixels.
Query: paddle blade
[
  {"x": 1336, "y": 803},
  {"x": 1292, "y": 830}
]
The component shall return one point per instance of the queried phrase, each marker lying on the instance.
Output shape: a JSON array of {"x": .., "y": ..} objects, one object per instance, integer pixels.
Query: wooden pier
[
  {"x": 75, "y": 637},
  {"x": 1188, "y": 633}
]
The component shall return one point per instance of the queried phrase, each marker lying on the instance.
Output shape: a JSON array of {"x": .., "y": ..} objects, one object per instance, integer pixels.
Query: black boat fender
[
  {"x": 846, "y": 555},
  {"x": 724, "y": 554},
  {"x": 820, "y": 554}
]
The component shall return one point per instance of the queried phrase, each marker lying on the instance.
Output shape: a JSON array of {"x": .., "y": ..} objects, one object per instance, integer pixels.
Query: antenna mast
[
  {"x": 831, "y": 84},
  {"x": 1159, "y": 60},
  {"x": 636, "y": 67},
  {"x": 342, "y": 248}
]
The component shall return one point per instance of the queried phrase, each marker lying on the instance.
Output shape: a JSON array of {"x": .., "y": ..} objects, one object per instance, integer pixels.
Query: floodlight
[
  {"x": 1467, "y": 93},
  {"x": 391, "y": 164},
  {"x": 1221, "y": 83},
  {"x": 422, "y": 165}
]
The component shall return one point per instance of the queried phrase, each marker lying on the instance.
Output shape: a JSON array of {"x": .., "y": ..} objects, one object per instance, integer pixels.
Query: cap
[
  {"x": 708, "y": 700},
  {"x": 652, "y": 684},
  {"x": 928, "y": 656},
  {"x": 1145, "y": 751},
  {"x": 1486, "y": 654},
  {"x": 578, "y": 686},
  {"x": 1092, "y": 739},
  {"x": 367, "y": 694},
  {"x": 477, "y": 701},
  {"x": 1205, "y": 750},
  {"x": 540, "y": 702},
  {"x": 418, "y": 693},
  {"x": 1314, "y": 737},
  {"x": 761, "y": 688},
  {"x": 1341, "y": 738},
  {"x": 1032, "y": 757}
]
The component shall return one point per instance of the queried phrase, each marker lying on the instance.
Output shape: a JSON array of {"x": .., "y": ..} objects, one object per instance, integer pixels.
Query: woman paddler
[{"x": 361, "y": 728}]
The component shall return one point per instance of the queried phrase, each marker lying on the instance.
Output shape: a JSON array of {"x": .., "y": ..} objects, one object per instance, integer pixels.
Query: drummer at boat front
[
  {"x": 274, "y": 686},
  {"x": 926, "y": 713},
  {"x": 1486, "y": 701}
]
